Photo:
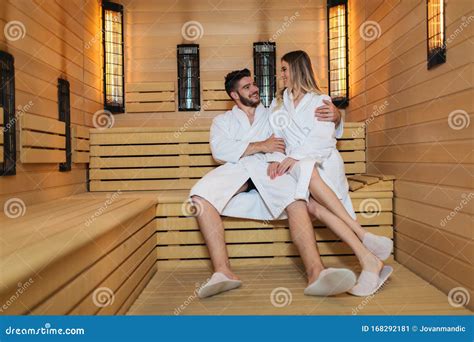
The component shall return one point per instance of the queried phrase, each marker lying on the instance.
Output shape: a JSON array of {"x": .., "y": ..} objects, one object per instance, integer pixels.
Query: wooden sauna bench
[{"x": 66, "y": 255}]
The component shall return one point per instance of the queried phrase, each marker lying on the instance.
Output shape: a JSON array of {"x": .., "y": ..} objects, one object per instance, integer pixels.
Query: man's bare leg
[
  {"x": 212, "y": 228},
  {"x": 302, "y": 235}
]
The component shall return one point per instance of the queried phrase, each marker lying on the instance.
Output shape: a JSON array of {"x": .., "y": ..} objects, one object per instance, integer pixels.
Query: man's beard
[{"x": 249, "y": 102}]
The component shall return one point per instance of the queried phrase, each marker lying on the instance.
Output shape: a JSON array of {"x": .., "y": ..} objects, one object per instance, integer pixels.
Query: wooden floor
[{"x": 173, "y": 292}]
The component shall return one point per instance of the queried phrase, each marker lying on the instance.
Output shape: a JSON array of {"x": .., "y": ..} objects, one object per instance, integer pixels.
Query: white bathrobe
[
  {"x": 230, "y": 135},
  {"x": 312, "y": 143}
]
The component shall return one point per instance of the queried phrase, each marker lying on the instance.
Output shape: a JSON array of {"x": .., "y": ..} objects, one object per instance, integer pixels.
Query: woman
[{"x": 312, "y": 158}]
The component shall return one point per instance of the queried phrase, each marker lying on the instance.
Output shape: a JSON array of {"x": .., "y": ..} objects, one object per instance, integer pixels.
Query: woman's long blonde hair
[{"x": 302, "y": 75}]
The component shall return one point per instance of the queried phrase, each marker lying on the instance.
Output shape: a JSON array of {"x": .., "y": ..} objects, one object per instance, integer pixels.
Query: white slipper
[
  {"x": 218, "y": 283},
  {"x": 369, "y": 282},
  {"x": 380, "y": 246},
  {"x": 331, "y": 281}
]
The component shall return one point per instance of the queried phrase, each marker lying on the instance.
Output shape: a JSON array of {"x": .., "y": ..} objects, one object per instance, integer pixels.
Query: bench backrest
[{"x": 170, "y": 158}]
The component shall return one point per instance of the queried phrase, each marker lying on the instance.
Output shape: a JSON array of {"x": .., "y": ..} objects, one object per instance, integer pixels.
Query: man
[{"x": 239, "y": 139}]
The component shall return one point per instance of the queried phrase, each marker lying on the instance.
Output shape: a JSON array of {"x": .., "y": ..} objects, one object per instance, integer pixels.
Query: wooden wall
[
  {"x": 406, "y": 108},
  {"x": 61, "y": 39},
  {"x": 229, "y": 29}
]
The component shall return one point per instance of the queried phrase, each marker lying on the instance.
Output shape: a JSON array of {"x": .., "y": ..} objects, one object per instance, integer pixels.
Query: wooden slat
[
  {"x": 33, "y": 155},
  {"x": 143, "y": 107},
  {"x": 114, "y": 136},
  {"x": 213, "y": 85},
  {"x": 249, "y": 250},
  {"x": 359, "y": 204},
  {"x": 177, "y": 184},
  {"x": 41, "y": 123},
  {"x": 261, "y": 235},
  {"x": 215, "y": 95},
  {"x": 149, "y": 86},
  {"x": 142, "y": 150},
  {"x": 81, "y": 131},
  {"x": 354, "y": 186},
  {"x": 39, "y": 139},
  {"x": 364, "y": 179},
  {"x": 165, "y": 96},
  {"x": 190, "y": 223},
  {"x": 219, "y": 105},
  {"x": 149, "y": 173}
]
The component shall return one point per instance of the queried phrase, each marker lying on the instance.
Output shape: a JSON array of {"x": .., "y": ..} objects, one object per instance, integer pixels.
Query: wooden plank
[
  {"x": 80, "y": 157},
  {"x": 143, "y": 107},
  {"x": 177, "y": 184},
  {"x": 260, "y": 235},
  {"x": 41, "y": 123},
  {"x": 149, "y": 173},
  {"x": 380, "y": 176},
  {"x": 149, "y": 86},
  {"x": 219, "y": 105},
  {"x": 353, "y": 185},
  {"x": 33, "y": 155},
  {"x": 379, "y": 186},
  {"x": 164, "y": 96},
  {"x": 39, "y": 139},
  {"x": 213, "y": 85},
  {"x": 190, "y": 223},
  {"x": 360, "y": 205},
  {"x": 249, "y": 250},
  {"x": 158, "y": 137},
  {"x": 347, "y": 145},
  {"x": 215, "y": 95},
  {"x": 82, "y": 145},
  {"x": 154, "y": 150},
  {"x": 81, "y": 131},
  {"x": 364, "y": 179},
  {"x": 137, "y": 135},
  {"x": 182, "y": 160}
]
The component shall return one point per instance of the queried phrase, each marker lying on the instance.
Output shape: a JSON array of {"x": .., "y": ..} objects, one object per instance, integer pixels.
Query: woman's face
[{"x": 285, "y": 73}]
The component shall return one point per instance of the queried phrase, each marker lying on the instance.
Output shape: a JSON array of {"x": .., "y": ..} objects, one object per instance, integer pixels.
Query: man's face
[{"x": 247, "y": 92}]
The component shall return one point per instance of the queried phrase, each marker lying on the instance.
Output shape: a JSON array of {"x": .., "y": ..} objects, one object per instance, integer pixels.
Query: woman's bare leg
[
  {"x": 302, "y": 235},
  {"x": 368, "y": 261},
  {"x": 324, "y": 195}
]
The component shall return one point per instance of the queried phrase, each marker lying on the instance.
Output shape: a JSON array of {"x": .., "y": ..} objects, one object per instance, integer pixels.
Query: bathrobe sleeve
[
  {"x": 319, "y": 142},
  {"x": 224, "y": 147},
  {"x": 340, "y": 127}
]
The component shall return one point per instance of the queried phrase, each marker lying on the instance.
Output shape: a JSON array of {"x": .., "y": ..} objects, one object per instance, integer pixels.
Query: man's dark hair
[{"x": 233, "y": 78}]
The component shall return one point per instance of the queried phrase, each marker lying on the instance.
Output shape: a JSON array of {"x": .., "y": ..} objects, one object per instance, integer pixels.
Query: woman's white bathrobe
[
  {"x": 312, "y": 143},
  {"x": 230, "y": 135}
]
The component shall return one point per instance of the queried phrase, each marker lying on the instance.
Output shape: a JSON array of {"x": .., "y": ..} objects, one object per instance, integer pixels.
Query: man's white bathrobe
[
  {"x": 230, "y": 135},
  {"x": 312, "y": 143}
]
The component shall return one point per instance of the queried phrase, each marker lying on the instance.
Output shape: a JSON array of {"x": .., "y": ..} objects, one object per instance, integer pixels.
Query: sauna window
[
  {"x": 264, "y": 64},
  {"x": 8, "y": 120},
  {"x": 189, "y": 96},
  {"x": 337, "y": 52},
  {"x": 436, "y": 39},
  {"x": 112, "y": 30},
  {"x": 64, "y": 108}
]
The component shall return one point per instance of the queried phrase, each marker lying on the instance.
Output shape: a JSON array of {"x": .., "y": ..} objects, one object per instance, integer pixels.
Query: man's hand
[
  {"x": 328, "y": 112},
  {"x": 272, "y": 170},
  {"x": 273, "y": 144},
  {"x": 285, "y": 166},
  {"x": 270, "y": 145}
]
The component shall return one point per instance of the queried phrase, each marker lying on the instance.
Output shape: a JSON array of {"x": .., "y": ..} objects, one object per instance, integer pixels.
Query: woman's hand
[
  {"x": 286, "y": 166},
  {"x": 272, "y": 170}
]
